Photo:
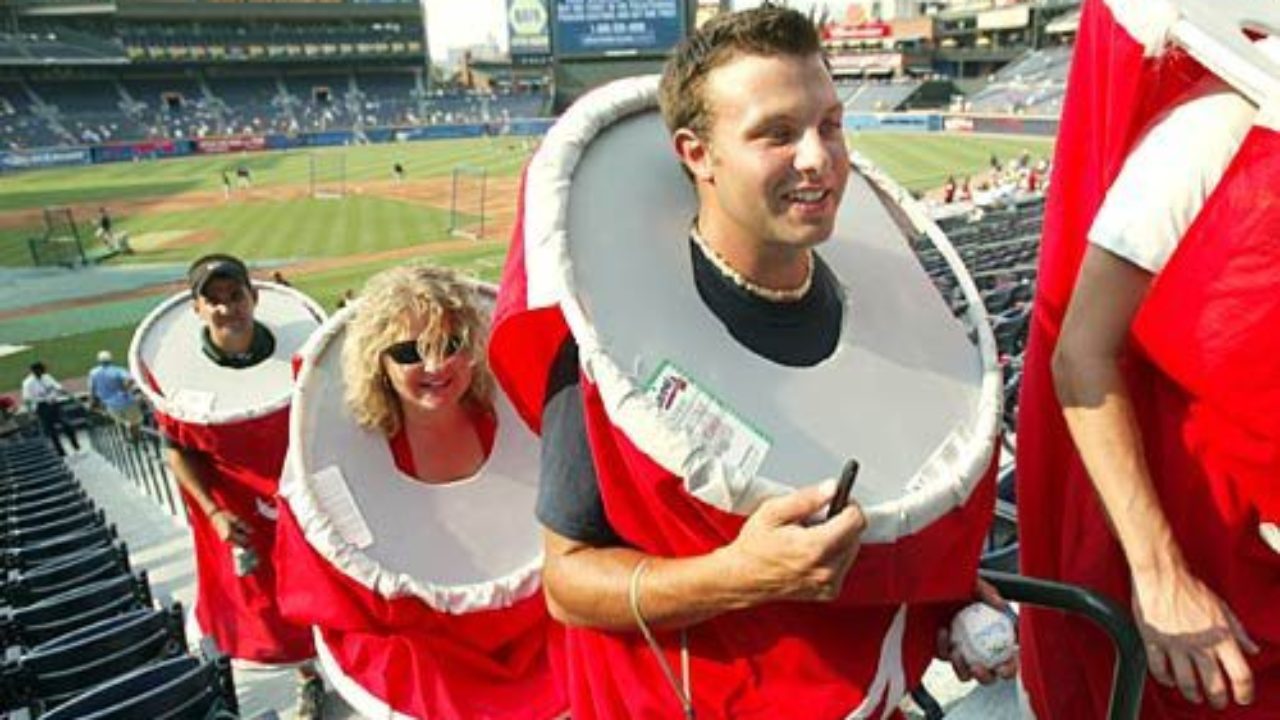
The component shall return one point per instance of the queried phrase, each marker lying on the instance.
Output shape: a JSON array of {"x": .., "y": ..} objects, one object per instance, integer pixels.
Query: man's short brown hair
[{"x": 767, "y": 31}]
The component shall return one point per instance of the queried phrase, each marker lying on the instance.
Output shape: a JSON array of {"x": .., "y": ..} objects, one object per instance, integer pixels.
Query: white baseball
[{"x": 984, "y": 635}]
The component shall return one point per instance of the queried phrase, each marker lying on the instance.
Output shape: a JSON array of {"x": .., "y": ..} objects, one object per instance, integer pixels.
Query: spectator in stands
[
  {"x": 111, "y": 389},
  {"x": 348, "y": 297},
  {"x": 42, "y": 394},
  {"x": 214, "y": 482}
]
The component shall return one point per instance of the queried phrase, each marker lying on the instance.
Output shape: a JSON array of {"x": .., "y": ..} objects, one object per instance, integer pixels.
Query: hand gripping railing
[{"x": 1131, "y": 655}]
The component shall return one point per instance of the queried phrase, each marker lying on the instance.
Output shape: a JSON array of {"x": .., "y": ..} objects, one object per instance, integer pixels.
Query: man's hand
[
  {"x": 230, "y": 528},
  {"x": 781, "y": 558},
  {"x": 965, "y": 670},
  {"x": 1193, "y": 639}
]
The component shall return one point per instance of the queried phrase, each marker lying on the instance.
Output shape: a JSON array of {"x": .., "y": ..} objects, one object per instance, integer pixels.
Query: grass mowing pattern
[
  {"x": 294, "y": 229},
  {"x": 125, "y": 181},
  {"x": 501, "y": 157}
]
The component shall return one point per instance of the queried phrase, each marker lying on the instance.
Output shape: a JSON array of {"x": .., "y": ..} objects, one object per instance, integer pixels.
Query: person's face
[
  {"x": 226, "y": 307},
  {"x": 773, "y": 163},
  {"x": 423, "y": 383}
]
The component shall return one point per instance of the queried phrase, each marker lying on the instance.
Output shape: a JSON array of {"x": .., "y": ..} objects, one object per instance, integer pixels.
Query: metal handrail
[
  {"x": 138, "y": 454},
  {"x": 1131, "y": 656}
]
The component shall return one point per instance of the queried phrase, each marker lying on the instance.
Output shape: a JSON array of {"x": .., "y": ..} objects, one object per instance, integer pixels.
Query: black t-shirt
[{"x": 795, "y": 334}]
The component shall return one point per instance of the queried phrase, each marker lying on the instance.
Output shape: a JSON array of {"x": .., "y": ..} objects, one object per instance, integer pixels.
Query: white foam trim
[
  {"x": 326, "y": 538},
  {"x": 890, "y": 683},
  {"x": 1269, "y": 116},
  {"x": 1150, "y": 22},
  {"x": 277, "y": 398},
  {"x": 1211, "y": 31},
  {"x": 1024, "y": 700},
  {"x": 551, "y": 170},
  {"x": 365, "y": 703},
  {"x": 951, "y": 473}
]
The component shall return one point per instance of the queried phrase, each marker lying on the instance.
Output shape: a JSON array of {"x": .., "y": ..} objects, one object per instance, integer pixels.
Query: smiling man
[
  {"x": 229, "y": 479},
  {"x": 668, "y": 613}
]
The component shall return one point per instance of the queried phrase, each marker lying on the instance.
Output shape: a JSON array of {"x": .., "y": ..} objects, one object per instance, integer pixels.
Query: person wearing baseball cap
[
  {"x": 111, "y": 389},
  {"x": 229, "y": 476},
  {"x": 225, "y": 300}
]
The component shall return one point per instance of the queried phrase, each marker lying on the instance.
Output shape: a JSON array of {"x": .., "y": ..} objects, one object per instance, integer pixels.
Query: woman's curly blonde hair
[{"x": 383, "y": 315}]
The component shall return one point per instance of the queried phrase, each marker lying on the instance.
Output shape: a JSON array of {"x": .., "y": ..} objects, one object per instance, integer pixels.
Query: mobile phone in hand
[{"x": 843, "y": 488}]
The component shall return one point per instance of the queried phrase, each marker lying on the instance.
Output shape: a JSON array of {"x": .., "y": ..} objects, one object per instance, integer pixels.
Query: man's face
[
  {"x": 226, "y": 307},
  {"x": 775, "y": 162}
]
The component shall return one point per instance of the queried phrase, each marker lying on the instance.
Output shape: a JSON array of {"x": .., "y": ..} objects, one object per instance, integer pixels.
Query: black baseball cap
[{"x": 215, "y": 266}]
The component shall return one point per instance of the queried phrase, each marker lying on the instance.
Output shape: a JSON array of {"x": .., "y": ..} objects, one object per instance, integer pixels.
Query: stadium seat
[
  {"x": 44, "y": 515},
  {"x": 182, "y": 688},
  {"x": 30, "y": 535},
  {"x": 19, "y": 501},
  {"x": 45, "y": 581},
  {"x": 53, "y": 672},
  {"x": 34, "y": 476},
  {"x": 76, "y": 608},
  {"x": 54, "y": 549},
  {"x": 14, "y": 513}
]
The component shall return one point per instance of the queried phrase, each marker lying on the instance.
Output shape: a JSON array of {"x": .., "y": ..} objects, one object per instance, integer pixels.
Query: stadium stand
[
  {"x": 59, "y": 44},
  {"x": 140, "y": 72},
  {"x": 1033, "y": 84},
  {"x": 880, "y": 96},
  {"x": 75, "y": 617}
]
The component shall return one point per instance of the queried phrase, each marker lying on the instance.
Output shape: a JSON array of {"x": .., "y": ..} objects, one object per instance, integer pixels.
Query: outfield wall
[
  {"x": 953, "y": 122},
  {"x": 12, "y": 160},
  {"x": 151, "y": 149}
]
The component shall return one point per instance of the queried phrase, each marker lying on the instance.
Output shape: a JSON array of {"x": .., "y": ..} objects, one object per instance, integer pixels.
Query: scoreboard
[{"x": 607, "y": 28}]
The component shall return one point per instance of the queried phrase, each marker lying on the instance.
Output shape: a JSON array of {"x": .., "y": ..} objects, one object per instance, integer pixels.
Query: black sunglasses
[{"x": 406, "y": 351}]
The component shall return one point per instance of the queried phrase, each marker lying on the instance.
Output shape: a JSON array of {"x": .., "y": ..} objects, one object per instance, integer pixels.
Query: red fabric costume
[
  {"x": 405, "y": 655},
  {"x": 1204, "y": 373},
  {"x": 419, "y": 661},
  {"x": 803, "y": 660},
  {"x": 244, "y": 460}
]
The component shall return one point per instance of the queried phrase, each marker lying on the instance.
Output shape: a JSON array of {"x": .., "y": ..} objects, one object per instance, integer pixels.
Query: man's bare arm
[
  {"x": 1189, "y": 631},
  {"x": 189, "y": 468},
  {"x": 775, "y": 557}
]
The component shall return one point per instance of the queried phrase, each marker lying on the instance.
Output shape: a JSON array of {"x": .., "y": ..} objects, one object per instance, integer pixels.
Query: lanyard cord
[{"x": 683, "y": 688}]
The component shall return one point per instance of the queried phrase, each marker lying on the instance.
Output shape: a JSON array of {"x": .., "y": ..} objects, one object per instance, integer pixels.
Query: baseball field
[{"x": 174, "y": 210}]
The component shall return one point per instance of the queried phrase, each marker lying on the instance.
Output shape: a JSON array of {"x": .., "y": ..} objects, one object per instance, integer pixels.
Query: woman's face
[{"x": 422, "y": 383}]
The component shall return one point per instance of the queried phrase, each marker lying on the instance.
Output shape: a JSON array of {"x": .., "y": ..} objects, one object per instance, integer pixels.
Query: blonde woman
[
  {"x": 413, "y": 368},
  {"x": 408, "y": 516}
]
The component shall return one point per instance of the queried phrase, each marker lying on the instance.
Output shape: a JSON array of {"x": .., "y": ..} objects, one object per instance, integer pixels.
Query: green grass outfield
[
  {"x": 305, "y": 228},
  {"x": 170, "y": 176},
  {"x": 922, "y": 161},
  {"x": 260, "y": 229}
]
